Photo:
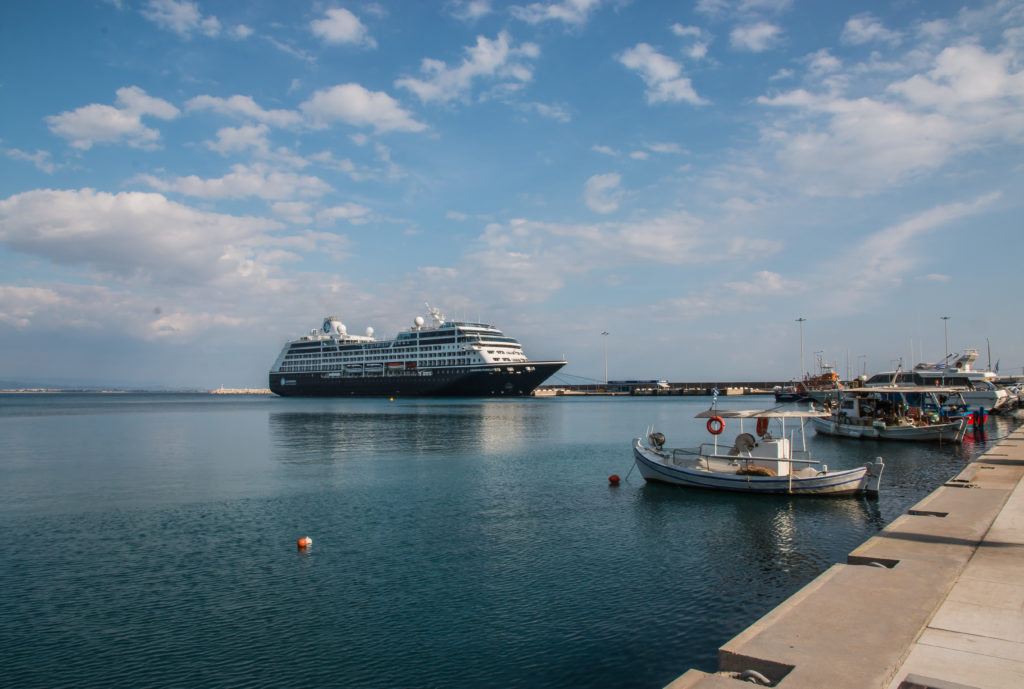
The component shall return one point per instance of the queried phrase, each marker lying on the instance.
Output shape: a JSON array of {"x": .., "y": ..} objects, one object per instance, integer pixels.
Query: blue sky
[{"x": 187, "y": 185}]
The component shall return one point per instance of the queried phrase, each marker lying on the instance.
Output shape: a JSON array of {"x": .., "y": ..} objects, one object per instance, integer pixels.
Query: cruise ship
[{"x": 442, "y": 358}]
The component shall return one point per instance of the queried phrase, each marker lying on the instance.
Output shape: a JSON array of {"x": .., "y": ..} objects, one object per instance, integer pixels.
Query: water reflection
[{"x": 330, "y": 435}]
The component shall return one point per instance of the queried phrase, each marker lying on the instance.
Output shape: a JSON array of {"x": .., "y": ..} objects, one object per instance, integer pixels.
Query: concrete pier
[{"x": 934, "y": 601}]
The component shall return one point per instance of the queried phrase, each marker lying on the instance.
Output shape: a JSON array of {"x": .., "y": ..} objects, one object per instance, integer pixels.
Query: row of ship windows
[{"x": 297, "y": 368}]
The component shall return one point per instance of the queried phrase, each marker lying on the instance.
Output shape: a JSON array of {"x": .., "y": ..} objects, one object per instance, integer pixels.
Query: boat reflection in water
[{"x": 328, "y": 432}]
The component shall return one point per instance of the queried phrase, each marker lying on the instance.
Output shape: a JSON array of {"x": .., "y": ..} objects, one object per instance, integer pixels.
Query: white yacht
[{"x": 977, "y": 387}]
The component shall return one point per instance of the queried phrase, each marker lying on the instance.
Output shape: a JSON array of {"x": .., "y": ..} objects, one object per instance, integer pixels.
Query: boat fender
[
  {"x": 716, "y": 425},
  {"x": 762, "y": 427}
]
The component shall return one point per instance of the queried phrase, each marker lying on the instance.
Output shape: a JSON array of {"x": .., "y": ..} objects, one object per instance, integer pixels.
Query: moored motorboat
[
  {"x": 897, "y": 413},
  {"x": 763, "y": 464}
]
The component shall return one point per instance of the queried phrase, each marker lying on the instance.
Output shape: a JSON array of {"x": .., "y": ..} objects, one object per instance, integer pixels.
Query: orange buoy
[
  {"x": 613, "y": 479},
  {"x": 305, "y": 542},
  {"x": 716, "y": 425}
]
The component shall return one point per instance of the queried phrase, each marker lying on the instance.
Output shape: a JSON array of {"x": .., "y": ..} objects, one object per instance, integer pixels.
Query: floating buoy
[
  {"x": 305, "y": 542},
  {"x": 613, "y": 479},
  {"x": 392, "y": 399}
]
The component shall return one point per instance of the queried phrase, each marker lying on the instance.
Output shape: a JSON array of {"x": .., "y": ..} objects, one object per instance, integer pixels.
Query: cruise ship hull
[{"x": 507, "y": 380}]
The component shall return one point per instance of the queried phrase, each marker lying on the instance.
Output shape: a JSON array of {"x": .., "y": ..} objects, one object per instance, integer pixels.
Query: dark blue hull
[{"x": 509, "y": 380}]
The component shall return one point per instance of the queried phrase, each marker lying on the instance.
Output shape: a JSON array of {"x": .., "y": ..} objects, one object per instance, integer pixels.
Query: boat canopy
[{"x": 760, "y": 414}]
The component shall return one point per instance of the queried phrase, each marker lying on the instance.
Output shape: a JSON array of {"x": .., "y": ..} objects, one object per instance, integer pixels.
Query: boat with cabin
[
  {"x": 924, "y": 413},
  {"x": 978, "y": 387},
  {"x": 442, "y": 358},
  {"x": 763, "y": 463}
]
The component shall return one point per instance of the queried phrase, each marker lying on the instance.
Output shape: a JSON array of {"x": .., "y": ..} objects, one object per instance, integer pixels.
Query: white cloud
[
  {"x": 41, "y": 159},
  {"x": 601, "y": 193},
  {"x": 661, "y": 74},
  {"x": 246, "y": 108},
  {"x": 471, "y": 10},
  {"x": 353, "y": 104},
  {"x": 488, "y": 59},
  {"x": 351, "y": 212},
  {"x": 133, "y": 237},
  {"x": 568, "y": 11},
  {"x": 184, "y": 17},
  {"x": 341, "y": 26},
  {"x": 755, "y": 38},
  {"x": 243, "y": 181},
  {"x": 18, "y": 305},
  {"x": 866, "y": 28},
  {"x": 698, "y": 48},
  {"x": 97, "y": 123},
  {"x": 295, "y": 212},
  {"x": 764, "y": 283},
  {"x": 879, "y": 262},
  {"x": 853, "y": 146},
  {"x": 241, "y": 32},
  {"x": 236, "y": 139},
  {"x": 604, "y": 150},
  {"x": 553, "y": 112}
]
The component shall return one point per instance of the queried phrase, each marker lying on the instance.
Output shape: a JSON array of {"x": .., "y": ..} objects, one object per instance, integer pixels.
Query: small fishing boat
[
  {"x": 767, "y": 463},
  {"x": 897, "y": 413}
]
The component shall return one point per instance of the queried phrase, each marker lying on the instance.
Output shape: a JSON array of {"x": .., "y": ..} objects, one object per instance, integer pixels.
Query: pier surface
[{"x": 934, "y": 601}]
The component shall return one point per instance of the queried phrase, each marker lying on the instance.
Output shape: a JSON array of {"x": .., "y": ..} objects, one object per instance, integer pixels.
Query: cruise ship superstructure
[{"x": 442, "y": 358}]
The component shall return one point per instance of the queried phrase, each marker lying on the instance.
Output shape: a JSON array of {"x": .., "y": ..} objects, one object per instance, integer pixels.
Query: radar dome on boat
[
  {"x": 369, "y": 332},
  {"x": 419, "y": 321},
  {"x": 341, "y": 329}
]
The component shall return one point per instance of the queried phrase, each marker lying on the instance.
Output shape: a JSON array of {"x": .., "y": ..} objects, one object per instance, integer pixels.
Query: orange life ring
[
  {"x": 716, "y": 425},
  {"x": 762, "y": 427}
]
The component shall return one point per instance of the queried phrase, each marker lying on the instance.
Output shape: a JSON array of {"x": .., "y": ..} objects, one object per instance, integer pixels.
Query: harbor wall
[{"x": 934, "y": 601}]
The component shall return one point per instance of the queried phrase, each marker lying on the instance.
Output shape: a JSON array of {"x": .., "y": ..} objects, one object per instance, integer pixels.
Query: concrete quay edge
[{"x": 933, "y": 601}]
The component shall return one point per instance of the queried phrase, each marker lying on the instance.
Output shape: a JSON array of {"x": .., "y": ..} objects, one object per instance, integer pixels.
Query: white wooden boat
[
  {"x": 897, "y": 413},
  {"x": 766, "y": 463}
]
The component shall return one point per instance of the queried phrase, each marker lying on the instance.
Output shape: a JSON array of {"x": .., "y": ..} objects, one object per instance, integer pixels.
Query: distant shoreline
[{"x": 94, "y": 391}]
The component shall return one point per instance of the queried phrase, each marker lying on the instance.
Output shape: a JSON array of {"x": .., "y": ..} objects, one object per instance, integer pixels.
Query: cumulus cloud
[
  {"x": 496, "y": 59},
  {"x": 355, "y": 105},
  {"x": 853, "y": 146},
  {"x": 471, "y": 10},
  {"x": 661, "y": 74},
  {"x": 259, "y": 180},
  {"x": 755, "y": 38},
  {"x": 601, "y": 193},
  {"x": 568, "y": 11},
  {"x": 130, "y": 236},
  {"x": 97, "y": 123},
  {"x": 244, "y": 107},
  {"x": 866, "y": 28},
  {"x": 341, "y": 26},
  {"x": 182, "y": 17}
]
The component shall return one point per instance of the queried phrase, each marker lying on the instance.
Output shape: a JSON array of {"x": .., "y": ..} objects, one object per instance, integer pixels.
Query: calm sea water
[{"x": 150, "y": 540}]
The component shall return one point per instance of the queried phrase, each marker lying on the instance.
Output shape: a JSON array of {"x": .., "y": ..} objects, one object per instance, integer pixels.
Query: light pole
[
  {"x": 604, "y": 338},
  {"x": 801, "y": 322},
  {"x": 945, "y": 335}
]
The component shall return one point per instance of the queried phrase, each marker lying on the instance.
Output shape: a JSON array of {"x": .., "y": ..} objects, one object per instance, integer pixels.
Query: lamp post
[
  {"x": 801, "y": 322},
  {"x": 604, "y": 338},
  {"x": 945, "y": 335}
]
